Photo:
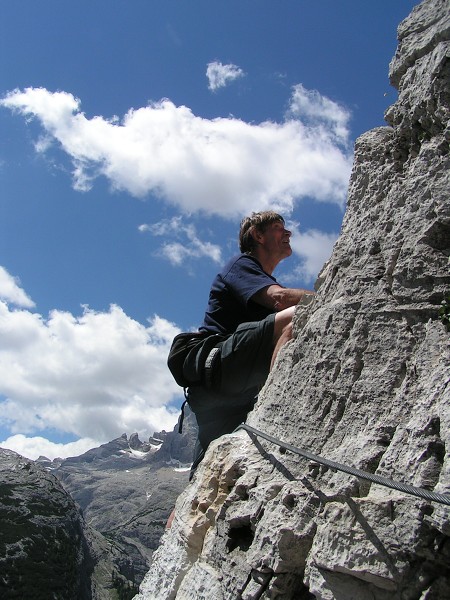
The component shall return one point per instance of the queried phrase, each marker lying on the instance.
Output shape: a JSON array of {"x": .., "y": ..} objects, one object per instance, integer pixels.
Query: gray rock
[
  {"x": 46, "y": 547},
  {"x": 364, "y": 383},
  {"x": 177, "y": 449}
]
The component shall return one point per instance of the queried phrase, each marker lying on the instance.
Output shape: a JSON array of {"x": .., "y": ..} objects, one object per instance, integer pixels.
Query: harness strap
[
  {"x": 180, "y": 424},
  {"x": 209, "y": 366}
]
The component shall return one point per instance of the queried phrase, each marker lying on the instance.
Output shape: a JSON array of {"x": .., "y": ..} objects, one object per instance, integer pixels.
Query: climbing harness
[{"x": 396, "y": 485}]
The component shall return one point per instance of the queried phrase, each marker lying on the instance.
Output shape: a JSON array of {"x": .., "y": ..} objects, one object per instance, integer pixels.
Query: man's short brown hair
[{"x": 259, "y": 221}]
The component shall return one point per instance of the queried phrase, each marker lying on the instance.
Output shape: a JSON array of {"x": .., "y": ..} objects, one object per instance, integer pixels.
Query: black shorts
[
  {"x": 245, "y": 357},
  {"x": 243, "y": 364}
]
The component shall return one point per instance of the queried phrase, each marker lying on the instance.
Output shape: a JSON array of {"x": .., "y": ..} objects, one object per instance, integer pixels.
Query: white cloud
[
  {"x": 34, "y": 447},
  {"x": 314, "y": 248},
  {"x": 11, "y": 291},
  {"x": 190, "y": 247},
  {"x": 94, "y": 376},
  {"x": 222, "y": 166},
  {"x": 220, "y": 75},
  {"x": 319, "y": 111}
]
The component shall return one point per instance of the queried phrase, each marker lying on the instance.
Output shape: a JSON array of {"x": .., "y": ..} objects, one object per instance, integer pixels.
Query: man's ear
[{"x": 256, "y": 234}]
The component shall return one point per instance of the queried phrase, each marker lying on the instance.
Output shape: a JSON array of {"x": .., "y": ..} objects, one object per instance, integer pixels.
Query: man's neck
[{"x": 267, "y": 263}]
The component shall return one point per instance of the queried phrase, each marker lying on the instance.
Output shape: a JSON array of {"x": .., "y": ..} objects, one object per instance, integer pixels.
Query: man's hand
[{"x": 279, "y": 298}]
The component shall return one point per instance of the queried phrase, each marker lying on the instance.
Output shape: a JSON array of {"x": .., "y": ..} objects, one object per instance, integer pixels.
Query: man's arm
[{"x": 279, "y": 298}]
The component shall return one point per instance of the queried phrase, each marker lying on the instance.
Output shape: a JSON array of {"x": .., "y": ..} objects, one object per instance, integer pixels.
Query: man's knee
[
  {"x": 283, "y": 324},
  {"x": 282, "y": 331},
  {"x": 287, "y": 331}
]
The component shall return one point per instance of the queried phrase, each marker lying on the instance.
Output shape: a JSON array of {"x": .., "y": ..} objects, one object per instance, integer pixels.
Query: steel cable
[{"x": 396, "y": 485}]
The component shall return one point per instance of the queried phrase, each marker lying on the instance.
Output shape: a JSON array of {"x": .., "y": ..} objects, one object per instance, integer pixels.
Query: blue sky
[{"x": 134, "y": 136}]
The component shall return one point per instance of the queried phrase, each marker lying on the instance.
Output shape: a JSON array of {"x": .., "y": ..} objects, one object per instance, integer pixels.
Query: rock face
[
  {"x": 364, "y": 383},
  {"x": 46, "y": 548}
]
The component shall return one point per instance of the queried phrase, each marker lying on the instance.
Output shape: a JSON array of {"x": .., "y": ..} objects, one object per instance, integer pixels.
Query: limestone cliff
[{"x": 365, "y": 383}]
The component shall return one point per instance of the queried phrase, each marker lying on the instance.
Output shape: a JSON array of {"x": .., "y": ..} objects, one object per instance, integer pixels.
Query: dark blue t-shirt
[{"x": 230, "y": 301}]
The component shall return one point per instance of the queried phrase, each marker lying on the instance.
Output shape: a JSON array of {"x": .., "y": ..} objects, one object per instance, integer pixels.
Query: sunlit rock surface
[{"x": 364, "y": 383}]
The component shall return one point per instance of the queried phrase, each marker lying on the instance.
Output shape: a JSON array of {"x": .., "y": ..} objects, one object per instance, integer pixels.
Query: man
[{"x": 247, "y": 321}]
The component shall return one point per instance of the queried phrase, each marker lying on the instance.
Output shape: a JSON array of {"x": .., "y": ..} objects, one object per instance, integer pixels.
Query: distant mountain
[
  {"x": 85, "y": 528},
  {"x": 127, "y": 488}
]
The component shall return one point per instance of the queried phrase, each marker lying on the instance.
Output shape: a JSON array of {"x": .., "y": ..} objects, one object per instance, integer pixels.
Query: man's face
[{"x": 276, "y": 240}]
